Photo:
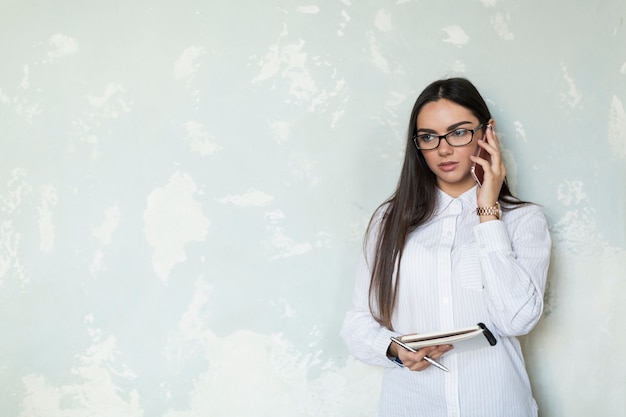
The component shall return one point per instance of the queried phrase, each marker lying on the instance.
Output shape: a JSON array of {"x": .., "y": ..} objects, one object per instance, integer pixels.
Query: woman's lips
[{"x": 448, "y": 166}]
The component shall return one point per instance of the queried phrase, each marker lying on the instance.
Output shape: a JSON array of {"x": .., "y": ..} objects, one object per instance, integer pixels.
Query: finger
[{"x": 492, "y": 138}]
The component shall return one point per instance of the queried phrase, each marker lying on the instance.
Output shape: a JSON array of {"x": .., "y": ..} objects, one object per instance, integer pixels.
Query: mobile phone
[{"x": 477, "y": 171}]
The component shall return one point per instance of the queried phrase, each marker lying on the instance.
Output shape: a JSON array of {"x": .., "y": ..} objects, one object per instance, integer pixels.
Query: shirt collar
[{"x": 467, "y": 200}]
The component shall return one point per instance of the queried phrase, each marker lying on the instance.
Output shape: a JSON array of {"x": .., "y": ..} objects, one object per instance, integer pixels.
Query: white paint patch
[
  {"x": 571, "y": 192},
  {"x": 11, "y": 202},
  {"x": 573, "y": 96},
  {"x": 382, "y": 21},
  {"x": 110, "y": 90},
  {"x": 104, "y": 232},
  {"x": 456, "y": 36},
  {"x": 345, "y": 19},
  {"x": 302, "y": 168},
  {"x": 97, "y": 263},
  {"x": 4, "y": 98},
  {"x": 287, "y": 311},
  {"x": 93, "y": 394},
  {"x": 323, "y": 240},
  {"x": 270, "y": 64},
  {"x": 376, "y": 56},
  {"x": 312, "y": 9},
  {"x": 199, "y": 139},
  {"x": 274, "y": 215},
  {"x": 17, "y": 189},
  {"x": 172, "y": 219},
  {"x": 577, "y": 232},
  {"x": 254, "y": 198},
  {"x": 617, "y": 128},
  {"x": 21, "y": 105},
  {"x": 191, "y": 324},
  {"x": 25, "y": 78},
  {"x": 46, "y": 226},
  {"x": 458, "y": 67},
  {"x": 281, "y": 246},
  {"x": 623, "y": 69},
  {"x": 267, "y": 361},
  {"x": 187, "y": 65},
  {"x": 290, "y": 62},
  {"x": 500, "y": 24},
  {"x": 62, "y": 45},
  {"x": 280, "y": 130},
  {"x": 519, "y": 130},
  {"x": 301, "y": 84}
]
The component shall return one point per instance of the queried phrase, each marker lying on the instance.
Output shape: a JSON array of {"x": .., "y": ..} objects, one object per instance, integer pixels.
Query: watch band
[{"x": 490, "y": 211}]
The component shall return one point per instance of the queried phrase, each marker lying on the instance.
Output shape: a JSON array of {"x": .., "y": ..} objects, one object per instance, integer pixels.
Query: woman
[{"x": 443, "y": 253}]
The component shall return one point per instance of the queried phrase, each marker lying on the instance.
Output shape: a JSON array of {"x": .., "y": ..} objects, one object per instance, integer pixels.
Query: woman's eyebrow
[{"x": 450, "y": 128}]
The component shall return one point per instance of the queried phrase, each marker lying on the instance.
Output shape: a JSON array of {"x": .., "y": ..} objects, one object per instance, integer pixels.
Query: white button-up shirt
[{"x": 457, "y": 272}]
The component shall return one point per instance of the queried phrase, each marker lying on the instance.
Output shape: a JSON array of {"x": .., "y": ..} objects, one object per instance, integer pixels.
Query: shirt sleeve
[
  {"x": 514, "y": 255},
  {"x": 366, "y": 339}
]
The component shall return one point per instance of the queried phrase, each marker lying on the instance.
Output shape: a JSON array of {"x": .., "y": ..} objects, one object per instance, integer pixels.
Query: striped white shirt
[{"x": 457, "y": 272}]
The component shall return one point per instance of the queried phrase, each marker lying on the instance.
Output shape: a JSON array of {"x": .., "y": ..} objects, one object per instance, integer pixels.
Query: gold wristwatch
[{"x": 490, "y": 211}]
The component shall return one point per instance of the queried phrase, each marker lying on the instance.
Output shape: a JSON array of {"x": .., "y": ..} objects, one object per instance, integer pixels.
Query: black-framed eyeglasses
[{"x": 457, "y": 137}]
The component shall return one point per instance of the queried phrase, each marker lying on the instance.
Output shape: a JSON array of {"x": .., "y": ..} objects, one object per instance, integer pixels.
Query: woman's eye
[
  {"x": 426, "y": 138},
  {"x": 460, "y": 132}
]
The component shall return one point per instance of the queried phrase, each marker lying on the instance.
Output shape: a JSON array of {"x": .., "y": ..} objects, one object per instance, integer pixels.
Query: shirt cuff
[{"x": 492, "y": 236}]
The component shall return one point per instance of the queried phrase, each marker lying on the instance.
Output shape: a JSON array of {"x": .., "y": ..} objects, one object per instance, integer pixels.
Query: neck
[{"x": 456, "y": 189}]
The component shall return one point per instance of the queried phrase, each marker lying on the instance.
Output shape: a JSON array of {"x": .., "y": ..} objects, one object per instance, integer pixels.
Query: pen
[{"x": 426, "y": 358}]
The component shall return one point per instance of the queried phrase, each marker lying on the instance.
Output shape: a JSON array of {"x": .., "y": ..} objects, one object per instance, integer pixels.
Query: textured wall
[{"x": 185, "y": 185}]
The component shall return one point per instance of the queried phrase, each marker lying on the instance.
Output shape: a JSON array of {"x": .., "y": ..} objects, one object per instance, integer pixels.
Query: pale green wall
[{"x": 185, "y": 185}]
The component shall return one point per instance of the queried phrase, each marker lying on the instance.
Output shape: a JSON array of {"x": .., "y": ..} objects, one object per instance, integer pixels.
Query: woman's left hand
[{"x": 495, "y": 171}]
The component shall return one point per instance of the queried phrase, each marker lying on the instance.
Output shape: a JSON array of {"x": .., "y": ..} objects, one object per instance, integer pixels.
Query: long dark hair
[{"x": 413, "y": 202}]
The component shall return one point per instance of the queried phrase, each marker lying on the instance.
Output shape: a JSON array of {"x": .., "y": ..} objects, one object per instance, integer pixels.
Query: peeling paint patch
[
  {"x": 577, "y": 232},
  {"x": 382, "y": 21},
  {"x": 172, "y": 219},
  {"x": 290, "y": 63},
  {"x": 11, "y": 201},
  {"x": 500, "y": 24},
  {"x": 186, "y": 65},
  {"x": 46, "y": 226},
  {"x": 301, "y": 168},
  {"x": 104, "y": 232},
  {"x": 376, "y": 56},
  {"x": 199, "y": 139},
  {"x": 268, "y": 361},
  {"x": 573, "y": 96},
  {"x": 617, "y": 128},
  {"x": 25, "y": 78},
  {"x": 62, "y": 45},
  {"x": 456, "y": 36},
  {"x": 254, "y": 198},
  {"x": 345, "y": 19},
  {"x": 279, "y": 244},
  {"x": 571, "y": 193},
  {"x": 280, "y": 130},
  {"x": 519, "y": 130},
  {"x": 458, "y": 67},
  {"x": 94, "y": 393}
]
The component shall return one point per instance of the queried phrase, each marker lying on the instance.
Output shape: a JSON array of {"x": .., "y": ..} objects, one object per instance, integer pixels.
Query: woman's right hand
[{"x": 415, "y": 360}]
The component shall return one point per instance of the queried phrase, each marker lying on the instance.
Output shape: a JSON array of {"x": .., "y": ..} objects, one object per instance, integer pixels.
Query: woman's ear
[{"x": 492, "y": 123}]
